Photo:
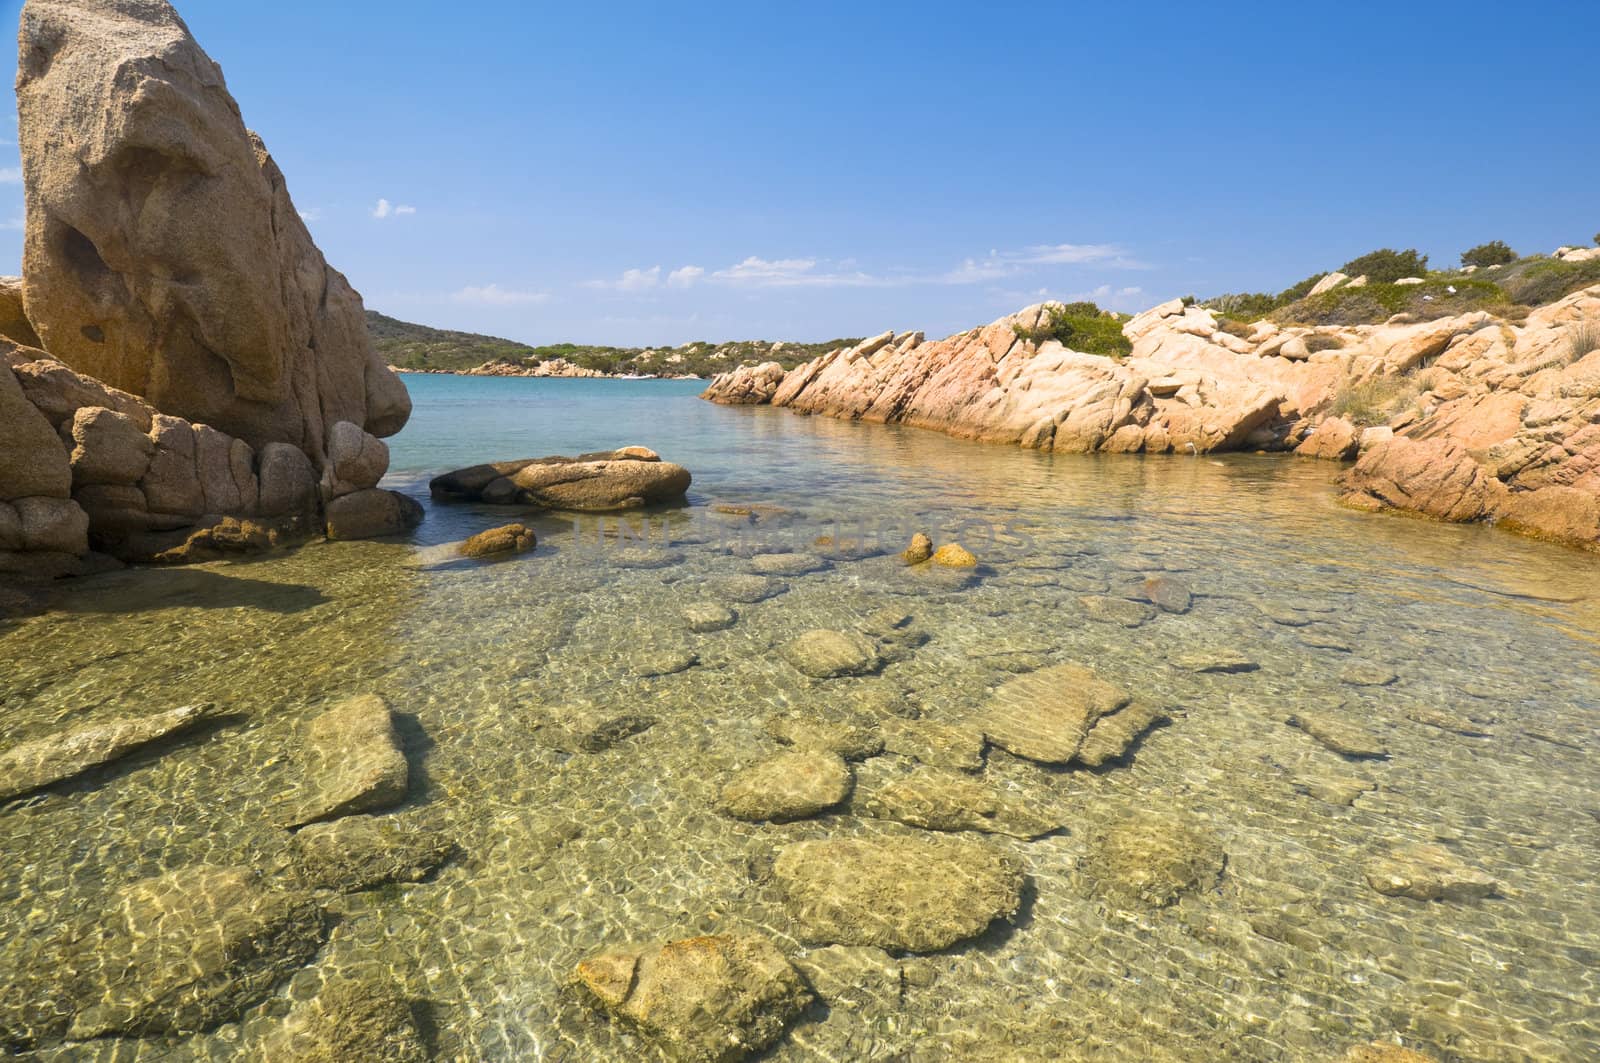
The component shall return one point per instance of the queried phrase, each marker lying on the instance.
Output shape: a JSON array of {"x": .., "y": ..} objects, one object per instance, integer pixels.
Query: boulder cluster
[
  {"x": 177, "y": 350},
  {"x": 1499, "y": 422}
]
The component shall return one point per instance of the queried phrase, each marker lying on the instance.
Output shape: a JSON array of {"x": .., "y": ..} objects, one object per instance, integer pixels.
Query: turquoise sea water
[{"x": 1289, "y": 955}]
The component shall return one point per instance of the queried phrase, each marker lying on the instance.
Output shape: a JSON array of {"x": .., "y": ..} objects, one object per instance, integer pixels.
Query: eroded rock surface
[
  {"x": 1153, "y": 857},
  {"x": 360, "y": 852},
  {"x": 945, "y": 801},
  {"x": 825, "y": 654},
  {"x": 352, "y": 1018},
  {"x": 131, "y": 146},
  {"x": 1428, "y": 872}
]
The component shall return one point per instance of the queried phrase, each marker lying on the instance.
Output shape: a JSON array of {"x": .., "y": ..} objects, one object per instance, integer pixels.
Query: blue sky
[{"x": 657, "y": 173}]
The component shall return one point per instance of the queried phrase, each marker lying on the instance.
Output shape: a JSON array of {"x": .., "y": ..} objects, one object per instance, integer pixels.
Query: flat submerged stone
[
  {"x": 825, "y": 654},
  {"x": 916, "y": 894},
  {"x": 43, "y": 761},
  {"x": 1046, "y": 715},
  {"x": 944, "y": 801},
  {"x": 792, "y": 785}
]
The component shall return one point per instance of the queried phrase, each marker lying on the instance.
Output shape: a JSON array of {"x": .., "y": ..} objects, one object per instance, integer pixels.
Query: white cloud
[
  {"x": 385, "y": 209},
  {"x": 756, "y": 272},
  {"x": 684, "y": 276},
  {"x": 311, "y": 214},
  {"x": 494, "y": 295},
  {"x": 637, "y": 280},
  {"x": 11, "y": 175}
]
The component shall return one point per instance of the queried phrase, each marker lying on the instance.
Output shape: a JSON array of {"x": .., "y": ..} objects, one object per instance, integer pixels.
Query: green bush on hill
[
  {"x": 1374, "y": 303},
  {"x": 1386, "y": 265},
  {"x": 1493, "y": 253},
  {"x": 1081, "y": 327}
]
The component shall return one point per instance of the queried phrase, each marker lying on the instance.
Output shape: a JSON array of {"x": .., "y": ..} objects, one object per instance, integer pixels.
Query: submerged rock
[
  {"x": 789, "y": 786},
  {"x": 1366, "y": 675},
  {"x": 1384, "y": 1052},
  {"x": 1046, "y": 715},
  {"x": 588, "y": 728},
  {"x": 353, "y": 1018},
  {"x": 854, "y": 737},
  {"x": 43, "y": 761},
  {"x": 1428, "y": 873},
  {"x": 705, "y": 617},
  {"x": 786, "y": 564},
  {"x": 1339, "y": 735},
  {"x": 713, "y": 999},
  {"x": 1116, "y": 610},
  {"x": 746, "y": 590},
  {"x": 938, "y": 745},
  {"x": 1115, "y": 733},
  {"x": 371, "y": 514},
  {"x": 650, "y": 663},
  {"x": 916, "y": 894},
  {"x": 360, "y": 852},
  {"x": 1168, "y": 593},
  {"x": 1154, "y": 857},
  {"x": 192, "y": 948},
  {"x": 1448, "y": 721},
  {"x": 1334, "y": 789},
  {"x": 352, "y": 761},
  {"x": 940, "y": 800},
  {"x": 589, "y": 483},
  {"x": 1227, "y": 662},
  {"x": 825, "y": 654},
  {"x": 506, "y": 539}
]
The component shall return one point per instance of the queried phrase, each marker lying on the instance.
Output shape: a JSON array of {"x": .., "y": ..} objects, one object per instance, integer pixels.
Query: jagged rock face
[{"x": 163, "y": 255}]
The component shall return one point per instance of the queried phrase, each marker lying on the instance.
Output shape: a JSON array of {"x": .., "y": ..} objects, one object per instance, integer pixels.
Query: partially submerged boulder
[
  {"x": 43, "y": 761},
  {"x": 711, "y": 999},
  {"x": 916, "y": 894},
  {"x": 372, "y": 514},
  {"x": 599, "y": 482},
  {"x": 502, "y": 541},
  {"x": 352, "y": 761},
  {"x": 162, "y": 253}
]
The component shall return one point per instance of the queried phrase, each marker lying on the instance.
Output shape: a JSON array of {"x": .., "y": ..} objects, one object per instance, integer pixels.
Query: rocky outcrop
[
  {"x": 599, "y": 482},
  {"x": 1487, "y": 418},
  {"x": 163, "y": 254},
  {"x": 178, "y": 351},
  {"x": 749, "y": 385},
  {"x": 711, "y": 999},
  {"x": 44, "y": 761}
]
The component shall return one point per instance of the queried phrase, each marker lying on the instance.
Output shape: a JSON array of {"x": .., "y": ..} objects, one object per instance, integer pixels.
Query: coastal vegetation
[
  {"x": 1399, "y": 282},
  {"x": 1081, "y": 326},
  {"x": 410, "y": 346}
]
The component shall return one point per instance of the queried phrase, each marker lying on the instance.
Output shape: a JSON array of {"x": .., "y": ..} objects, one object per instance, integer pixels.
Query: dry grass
[{"x": 1581, "y": 339}]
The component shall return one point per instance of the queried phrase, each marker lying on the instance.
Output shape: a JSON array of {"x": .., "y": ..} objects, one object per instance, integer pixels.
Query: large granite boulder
[
  {"x": 598, "y": 482},
  {"x": 162, "y": 253}
]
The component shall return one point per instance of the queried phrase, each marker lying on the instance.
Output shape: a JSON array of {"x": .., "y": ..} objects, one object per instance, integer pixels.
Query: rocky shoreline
[
  {"x": 556, "y": 367},
  {"x": 1496, "y": 416}
]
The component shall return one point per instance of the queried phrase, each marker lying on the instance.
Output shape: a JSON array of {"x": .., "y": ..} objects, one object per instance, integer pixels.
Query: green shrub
[
  {"x": 1081, "y": 327},
  {"x": 1374, "y": 304},
  {"x": 1548, "y": 279},
  {"x": 1244, "y": 306},
  {"x": 1299, "y": 291},
  {"x": 1386, "y": 265},
  {"x": 1235, "y": 327},
  {"x": 1493, "y": 253},
  {"x": 1323, "y": 342},
  {"x": 1597, "y": 238}
]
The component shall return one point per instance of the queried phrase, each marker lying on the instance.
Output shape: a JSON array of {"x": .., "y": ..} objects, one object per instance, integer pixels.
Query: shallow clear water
[{"x": 1292, "y": 956}]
